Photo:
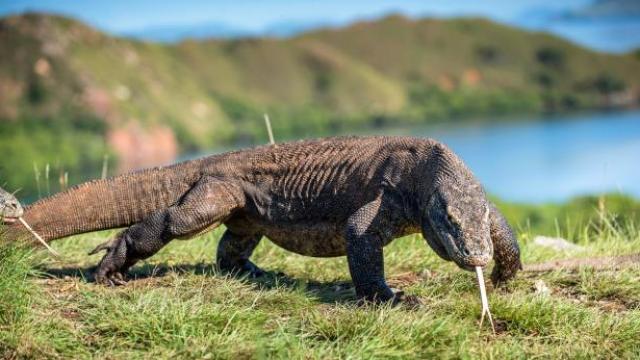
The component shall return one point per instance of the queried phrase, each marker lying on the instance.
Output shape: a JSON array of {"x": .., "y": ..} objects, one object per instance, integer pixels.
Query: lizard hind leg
[
  {"x": 208, "y": 203},
  {"x": 234, "y": 252}
]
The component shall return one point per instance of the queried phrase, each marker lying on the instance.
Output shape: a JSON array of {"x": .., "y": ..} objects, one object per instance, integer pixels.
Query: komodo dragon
[{"x": 324, "y": 198}]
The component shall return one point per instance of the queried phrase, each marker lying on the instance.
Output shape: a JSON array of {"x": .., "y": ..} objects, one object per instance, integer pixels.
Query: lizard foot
[
  {"x": 246, "y": 269},
  {"x": 399, "y": 298},
  {"x": 408, "y": 301},
  {"x": 111, "y": 269}
]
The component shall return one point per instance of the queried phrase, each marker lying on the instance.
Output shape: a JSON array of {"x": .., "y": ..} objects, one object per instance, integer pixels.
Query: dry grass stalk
[
  {"x": 53, "y": 252},
  {"x": 268, "y": 123}
]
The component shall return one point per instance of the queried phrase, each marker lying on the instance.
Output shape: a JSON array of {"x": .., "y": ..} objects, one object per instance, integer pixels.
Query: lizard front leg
[
  {"x": 506, "y": 251},
  {"x": 366, "y": 260}
]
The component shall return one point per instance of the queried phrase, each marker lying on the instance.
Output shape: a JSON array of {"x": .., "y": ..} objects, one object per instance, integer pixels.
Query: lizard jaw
[{"x": 9, "y": 220}]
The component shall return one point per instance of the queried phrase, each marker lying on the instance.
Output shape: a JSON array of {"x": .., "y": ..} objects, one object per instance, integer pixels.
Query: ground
[{"x": 180, "y": 307}]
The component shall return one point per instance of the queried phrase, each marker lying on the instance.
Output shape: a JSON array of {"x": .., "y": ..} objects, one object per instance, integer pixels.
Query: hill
[{"x": 69, "y": 93}]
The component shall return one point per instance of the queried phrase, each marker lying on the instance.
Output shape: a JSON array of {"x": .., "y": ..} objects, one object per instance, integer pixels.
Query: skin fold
[{"x": 323, "y": 198}]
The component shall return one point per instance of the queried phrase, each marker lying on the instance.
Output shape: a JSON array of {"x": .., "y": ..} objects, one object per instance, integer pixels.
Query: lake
[
  {"x": 545, "y": 158},
  {"x": 549, "y": 158}
]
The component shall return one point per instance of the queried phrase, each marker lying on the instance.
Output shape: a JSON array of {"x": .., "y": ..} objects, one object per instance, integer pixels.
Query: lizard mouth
[{"x": 8, "y": 220}]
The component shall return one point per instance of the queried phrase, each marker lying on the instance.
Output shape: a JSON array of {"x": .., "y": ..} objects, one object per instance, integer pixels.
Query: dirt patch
[
  {"x": 598, "y": 263},
  {"x": 611, "y": 303},
  {"x": 569, "y": 289},
  {"x": 404, "y": 280},
  {"x": 70, "y": 314}
]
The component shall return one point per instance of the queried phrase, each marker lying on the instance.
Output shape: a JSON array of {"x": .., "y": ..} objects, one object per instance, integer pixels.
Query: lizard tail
[{"x": 108, "y": 203}]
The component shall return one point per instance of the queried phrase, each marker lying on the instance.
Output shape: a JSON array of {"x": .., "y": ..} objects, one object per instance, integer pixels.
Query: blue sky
[
  {"x": 120, "y": 16},
  {"x": 175, "y": 20}
]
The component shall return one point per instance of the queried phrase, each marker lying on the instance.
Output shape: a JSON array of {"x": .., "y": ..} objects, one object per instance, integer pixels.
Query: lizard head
[
  {"x": 10, "y": 208},
  {"x": 457, "y": 224}
]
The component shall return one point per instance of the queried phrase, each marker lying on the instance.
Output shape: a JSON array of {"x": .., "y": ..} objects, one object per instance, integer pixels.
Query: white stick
[
  {"x": 105, "y": 166},
  {"x": 268, "y": 123},
  {"x": 38, "y": 237},
  {"x": 483, "y": 299}
]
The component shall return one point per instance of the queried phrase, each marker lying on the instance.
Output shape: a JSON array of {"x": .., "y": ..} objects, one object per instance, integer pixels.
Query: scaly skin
[{"x": 323, "y": 198}]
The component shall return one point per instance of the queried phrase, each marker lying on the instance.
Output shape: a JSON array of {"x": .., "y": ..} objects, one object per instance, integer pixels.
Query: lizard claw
[
  {"x": 114, "y": 264},
  {"x": 112, "y": 279},
  {"x": 409, "y": 301},
  {"x": 104, "y": 246},
  {"x": 118, "y": 278},
  {"x": 397, "y": 298}
]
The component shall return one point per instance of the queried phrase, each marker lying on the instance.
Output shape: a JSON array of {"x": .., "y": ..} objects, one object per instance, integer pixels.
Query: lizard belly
[
  {"x": 322, "y": 240},
  {"x": 318, "y": 240}
]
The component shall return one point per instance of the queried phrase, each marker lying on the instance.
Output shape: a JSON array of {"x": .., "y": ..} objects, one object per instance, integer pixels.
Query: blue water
[
  {"x": 543, "y": 159},
  {"x": 550, "y": 159}
]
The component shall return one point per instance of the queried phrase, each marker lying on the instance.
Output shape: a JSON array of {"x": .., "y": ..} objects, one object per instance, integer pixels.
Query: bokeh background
[{"x": 539, "y": 98}]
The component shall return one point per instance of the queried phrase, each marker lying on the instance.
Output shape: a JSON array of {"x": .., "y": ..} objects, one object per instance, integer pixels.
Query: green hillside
[{"x": 69, "y": 93}]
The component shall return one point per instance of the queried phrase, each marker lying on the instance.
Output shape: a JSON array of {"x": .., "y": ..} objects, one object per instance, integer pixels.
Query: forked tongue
[
  {"x": 484, "y": 300},
  {"x": 53, "y": 252}
]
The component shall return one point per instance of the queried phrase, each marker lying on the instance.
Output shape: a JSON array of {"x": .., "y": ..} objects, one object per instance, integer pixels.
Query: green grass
[{"x": 178, "y": 306}]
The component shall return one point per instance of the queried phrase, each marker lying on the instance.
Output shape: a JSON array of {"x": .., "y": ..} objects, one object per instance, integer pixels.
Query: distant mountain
[
  {"x": 605, "y": 25},
  {"x": 179, "y": 32},
  {"x": 608, "y": 9},
  {"x": 215, "y": 30},
  {"x": 69, "y": 92},
  {"x": 289, "y": 28}
]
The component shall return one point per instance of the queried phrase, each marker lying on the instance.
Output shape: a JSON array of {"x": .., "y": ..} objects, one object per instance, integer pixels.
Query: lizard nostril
[{"x": 465, "y": 251}]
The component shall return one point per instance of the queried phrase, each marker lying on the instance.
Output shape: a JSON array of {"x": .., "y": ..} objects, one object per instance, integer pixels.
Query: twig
[
  {"x": 37, "y": 175},
  {"x": 55, "y": 253},
  {"x": 65, "y": 180},
  {"x": 46, "y": 177},
  {"x": 105, "y": 166},
  {"x": 268, "y": 123},
  {"x": 484, "y": 300}
]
